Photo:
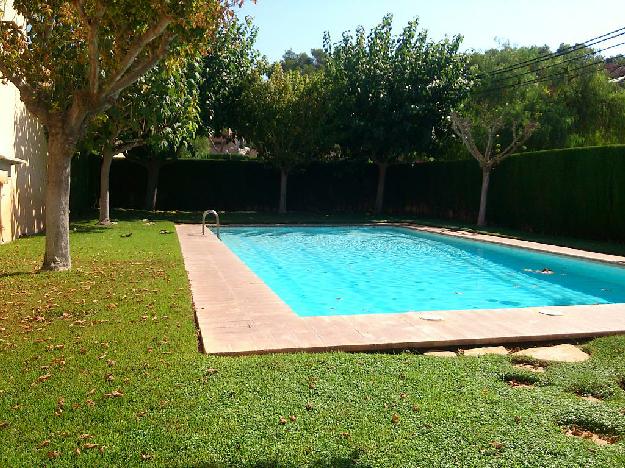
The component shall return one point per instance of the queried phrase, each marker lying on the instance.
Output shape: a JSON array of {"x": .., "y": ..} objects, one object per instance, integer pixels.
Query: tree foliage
[
  {"x": 227, "y": 71},
  {"x": 284, "y": 119},
  {"x": 75, "y": 57},
  {"x": 391, "y": 94},
  {"x": 569, "y": 93},
  {"x": 303, "y": 62}
]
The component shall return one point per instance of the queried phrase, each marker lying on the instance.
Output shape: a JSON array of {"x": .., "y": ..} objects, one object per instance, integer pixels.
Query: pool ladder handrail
[{"x": 217, "y": 224}]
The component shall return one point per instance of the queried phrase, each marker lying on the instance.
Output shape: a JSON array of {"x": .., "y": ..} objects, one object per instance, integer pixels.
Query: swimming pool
[{"x": 321, "y": 271}]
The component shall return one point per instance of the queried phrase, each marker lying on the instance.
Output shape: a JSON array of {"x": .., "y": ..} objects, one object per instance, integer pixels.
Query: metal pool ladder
[{"x": 213, "y": 212}]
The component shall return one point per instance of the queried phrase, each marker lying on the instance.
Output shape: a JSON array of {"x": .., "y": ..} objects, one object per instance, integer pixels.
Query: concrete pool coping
[{"x": 237, "y": 313}]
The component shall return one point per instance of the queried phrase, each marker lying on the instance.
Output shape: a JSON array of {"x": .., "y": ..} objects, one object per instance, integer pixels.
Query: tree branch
[
  {"x": 127, "y": 146},
  {"x": 517, "y": 140},
  {"x": 135, "y": 49},
  {"x": 139, "y": 70},
  {"x": 94, "y": 50},
  {"x": 462, "y": 128}
]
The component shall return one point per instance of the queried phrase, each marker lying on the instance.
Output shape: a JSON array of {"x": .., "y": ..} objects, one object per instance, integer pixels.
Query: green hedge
[{"x": 577, "y": 192}]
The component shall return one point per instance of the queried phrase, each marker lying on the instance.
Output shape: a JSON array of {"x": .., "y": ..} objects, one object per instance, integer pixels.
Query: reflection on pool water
[{"x": 365, "y": 270}]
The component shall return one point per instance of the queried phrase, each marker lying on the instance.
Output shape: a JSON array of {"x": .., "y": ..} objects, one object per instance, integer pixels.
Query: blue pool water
[{"x": 364, "y": 270}]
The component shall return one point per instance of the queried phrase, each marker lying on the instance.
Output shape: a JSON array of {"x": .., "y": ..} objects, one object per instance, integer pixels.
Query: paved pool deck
[{"x": 237, "y": 313}]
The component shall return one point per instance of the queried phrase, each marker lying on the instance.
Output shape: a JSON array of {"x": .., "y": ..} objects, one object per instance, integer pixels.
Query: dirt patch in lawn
[{"x": 597, "y": 438}]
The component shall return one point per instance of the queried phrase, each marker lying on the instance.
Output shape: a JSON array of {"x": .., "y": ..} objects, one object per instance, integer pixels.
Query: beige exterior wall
[{"x": 22, "y": 187}]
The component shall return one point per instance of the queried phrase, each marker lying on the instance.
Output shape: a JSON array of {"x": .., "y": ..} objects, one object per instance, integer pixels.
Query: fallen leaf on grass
[
  {"x": 293, "y": 418},
  {"x": 395, "y": 418},
  {"x": 54, "y": 454},
  {"x": 44, "y": 443},
  {"x": 282, "y": 420},
  {"x": 90, "y": 445},
  {"x": 146, "y": 456},
  {"x": 42, "y": 378},
  {"x": 496, "y": 444},
  {"x": 85, "y": 436},
  {"x": 114, "y": 394},
  {"x": 4, "y": 424}
]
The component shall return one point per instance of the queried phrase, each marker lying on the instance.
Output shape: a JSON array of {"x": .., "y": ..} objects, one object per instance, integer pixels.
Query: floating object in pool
[{"x": 544, "y": 271}]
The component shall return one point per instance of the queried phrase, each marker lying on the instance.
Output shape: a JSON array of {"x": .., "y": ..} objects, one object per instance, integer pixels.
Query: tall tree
[
  {"x": 284, "y": 117},
  {"x": 392, "y": 94},
  {"x": 502, "y": 110},
  {"x": 70, "y": 61},
  {"x": 160, "y": 111},
  {"x": 488, "y": 128},
  {"x": 303, "y": 62}
]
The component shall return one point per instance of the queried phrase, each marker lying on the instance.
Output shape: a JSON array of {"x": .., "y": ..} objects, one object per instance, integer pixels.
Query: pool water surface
[{"x": 321, "y": 271}]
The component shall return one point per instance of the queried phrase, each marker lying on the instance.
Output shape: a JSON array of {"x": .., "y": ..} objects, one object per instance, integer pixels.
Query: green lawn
[{"x": 99, "y": 366}]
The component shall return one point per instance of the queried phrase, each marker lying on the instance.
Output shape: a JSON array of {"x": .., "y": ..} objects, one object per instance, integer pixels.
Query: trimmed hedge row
[{"x": 577, "y": 192}]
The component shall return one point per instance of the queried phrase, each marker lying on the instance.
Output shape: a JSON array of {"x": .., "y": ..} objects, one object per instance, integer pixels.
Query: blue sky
[{"x": 299, "y": 24}]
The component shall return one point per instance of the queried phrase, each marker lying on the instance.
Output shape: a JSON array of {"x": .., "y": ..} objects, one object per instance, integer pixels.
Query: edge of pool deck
[{"x": 237, "y": 313}]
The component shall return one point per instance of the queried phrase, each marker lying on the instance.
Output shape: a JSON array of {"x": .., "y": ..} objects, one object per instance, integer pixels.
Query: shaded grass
[
  {"x": 253, "y": 217},
  {"x": 107, "y": 355}
]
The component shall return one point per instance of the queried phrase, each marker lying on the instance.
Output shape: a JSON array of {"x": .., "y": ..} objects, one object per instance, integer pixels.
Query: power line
[
  {"x": 542, "y": 79},
  {"x": 565, "y": 51},
  {"x": 555, "y": 64}
]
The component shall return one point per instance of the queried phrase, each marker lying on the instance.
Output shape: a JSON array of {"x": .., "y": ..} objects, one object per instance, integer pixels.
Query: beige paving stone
[
  {"x": 560, "y": 353},
  {"x": 440, "y": 353},
  {"x": 486, "y": 350}
]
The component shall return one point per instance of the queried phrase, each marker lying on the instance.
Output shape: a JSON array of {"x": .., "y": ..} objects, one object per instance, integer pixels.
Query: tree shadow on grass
[
  {"x": 9, "y": 274},
  {"x": 85, "y": 228},
  {"x": 347, "y": 461}
]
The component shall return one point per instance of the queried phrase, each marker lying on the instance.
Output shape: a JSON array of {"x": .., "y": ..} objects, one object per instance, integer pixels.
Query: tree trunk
[
  {"x": 60, "y": 152},
  {"x": 152, "y": 188},
  {"x": 284, "y": 175},
  {"x": 105, "y": 170},
  {"x": 379, "y": 197},
  {"x": 481, "y": 217}
]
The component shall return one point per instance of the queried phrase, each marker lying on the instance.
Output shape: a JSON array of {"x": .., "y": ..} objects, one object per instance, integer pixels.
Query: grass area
[{"x": 99, "y": 366}]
